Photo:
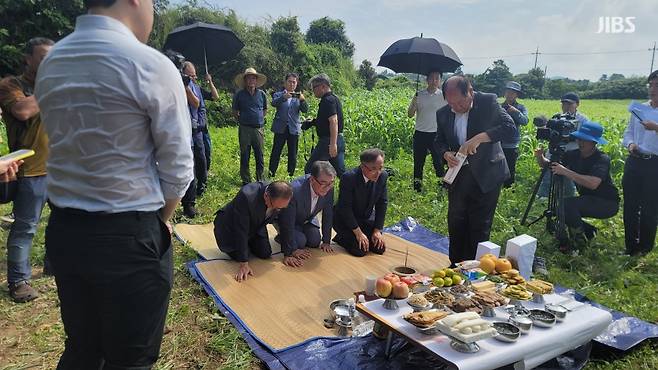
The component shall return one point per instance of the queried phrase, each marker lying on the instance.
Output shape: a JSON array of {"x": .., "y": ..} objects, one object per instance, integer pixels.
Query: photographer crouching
[{"x": 589, "y": 168}]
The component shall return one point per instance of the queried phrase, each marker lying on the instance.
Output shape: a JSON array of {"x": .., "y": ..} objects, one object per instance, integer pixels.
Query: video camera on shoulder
[{"x": 178, "y": 59}]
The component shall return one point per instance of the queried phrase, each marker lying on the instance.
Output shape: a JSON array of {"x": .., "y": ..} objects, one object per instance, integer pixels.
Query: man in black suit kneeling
[
  {"x": 361, "y": 209},
  {"x": 241, "y": 226}
]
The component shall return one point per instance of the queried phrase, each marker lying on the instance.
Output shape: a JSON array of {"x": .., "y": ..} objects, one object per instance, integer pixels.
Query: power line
[{"x": 536, "y": 52}]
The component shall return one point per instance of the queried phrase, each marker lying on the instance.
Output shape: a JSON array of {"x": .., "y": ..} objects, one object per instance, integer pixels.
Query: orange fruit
[
  {"x": 487, "y": 265},
  {"x": 489, "y": 255},
  {"x": 503, "y": 264}
]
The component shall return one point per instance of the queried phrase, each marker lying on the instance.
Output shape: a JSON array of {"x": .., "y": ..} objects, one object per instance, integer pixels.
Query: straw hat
[{"x": 239, "y": 79}]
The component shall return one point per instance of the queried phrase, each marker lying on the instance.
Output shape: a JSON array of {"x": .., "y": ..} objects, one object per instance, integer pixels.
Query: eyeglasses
[
  {"x": 315, "y": 86},
  {"x": 652, "y": 84},
  {"x": 324, "y": 184},
  {"x": 372, "y": 169}
]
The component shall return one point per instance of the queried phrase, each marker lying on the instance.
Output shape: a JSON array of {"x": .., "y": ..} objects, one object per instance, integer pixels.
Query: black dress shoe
[{"x": 189, "y": 211}]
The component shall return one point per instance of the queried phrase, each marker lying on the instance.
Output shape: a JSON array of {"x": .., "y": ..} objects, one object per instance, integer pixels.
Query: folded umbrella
[{"x": 203, "y": 42}]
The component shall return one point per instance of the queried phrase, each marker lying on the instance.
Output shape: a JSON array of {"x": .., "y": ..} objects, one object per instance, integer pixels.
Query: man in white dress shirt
[
  {"x": 120, "y": 160},
  {"x": 425, "y": 105}
]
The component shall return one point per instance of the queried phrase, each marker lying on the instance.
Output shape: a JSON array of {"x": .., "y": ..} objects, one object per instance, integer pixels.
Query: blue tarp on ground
[{"x": 368, "y": 352}]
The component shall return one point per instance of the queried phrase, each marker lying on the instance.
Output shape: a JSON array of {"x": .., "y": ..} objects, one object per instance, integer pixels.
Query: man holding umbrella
[
  {"x": 250, "y": 109},
  {"x": 424, "y": 105}
]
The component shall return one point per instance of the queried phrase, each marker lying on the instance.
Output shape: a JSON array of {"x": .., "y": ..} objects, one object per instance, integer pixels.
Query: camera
[
  {"x": 295, "y": 94},
  {"x": 178, "y": 59},
  {"x": 557, "y": 131},
  {"x": 308, "y": 124}
]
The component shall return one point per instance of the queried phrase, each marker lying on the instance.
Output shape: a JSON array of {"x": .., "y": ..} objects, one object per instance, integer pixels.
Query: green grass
[{"x": 31, "y": 335}]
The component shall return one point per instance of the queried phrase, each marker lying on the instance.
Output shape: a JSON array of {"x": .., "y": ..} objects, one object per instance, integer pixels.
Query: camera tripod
[{"x": 554, "y": 213}]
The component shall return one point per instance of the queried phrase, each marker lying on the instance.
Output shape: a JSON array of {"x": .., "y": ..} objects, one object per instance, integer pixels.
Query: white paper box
[
  {"x": 452, "y": 172},
  {"x": 521, "y": 250},
  {"x": 487, "y": 247}
]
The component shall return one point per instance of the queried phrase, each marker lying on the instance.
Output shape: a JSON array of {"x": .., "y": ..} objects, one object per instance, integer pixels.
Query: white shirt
[
  {"x": 461, "y": 126},
  {"x": 117, "y": 120},
  {"x": 427, "y": 104},
  {"x": 314, "y": 198},
  {"x": 646, "y": 140}
]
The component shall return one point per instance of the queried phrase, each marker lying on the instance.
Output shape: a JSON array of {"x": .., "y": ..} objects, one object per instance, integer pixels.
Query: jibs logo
[{"x": 616, "y": 25}]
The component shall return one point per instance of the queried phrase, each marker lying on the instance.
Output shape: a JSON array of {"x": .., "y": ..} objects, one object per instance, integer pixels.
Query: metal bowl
[
  {"x": 420, "y": 308},
  {"x": 542, "y": 318},
  {"x": 506, "y": 332},
  {"x": 559, "y": 311},
  {"x": 339, "y": 309},
  {"x": 404, "y": 271},
  {"x": 432, "y": 330},
  {"x": 522, "y": 322}
]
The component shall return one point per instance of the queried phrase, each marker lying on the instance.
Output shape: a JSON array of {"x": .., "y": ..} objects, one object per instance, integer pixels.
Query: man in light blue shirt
[
  {"x": 286, "y": 126},
  {"x": 120, "y": 160},
  {"x": 641, "y": 175}
]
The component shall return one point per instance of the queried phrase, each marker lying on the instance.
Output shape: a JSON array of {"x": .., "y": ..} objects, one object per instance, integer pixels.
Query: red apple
[
  {"x": 383, "y": 287},
  {"x": 392, "y": 278},
  {"x": 400, "y": 290}
]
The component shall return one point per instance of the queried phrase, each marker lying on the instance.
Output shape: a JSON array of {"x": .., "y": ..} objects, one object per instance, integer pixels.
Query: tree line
[{"x": 279, "y": 46}]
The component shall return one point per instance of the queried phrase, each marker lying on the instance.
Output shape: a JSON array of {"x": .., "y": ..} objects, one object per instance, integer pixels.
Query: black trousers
[
  {"x": 307, "y": 235},
  {"x": 279, "y": 141},
  {"x": 470, "y": 215},
  {"x": 423, "y": 143},
  {"x": 640, "y": 203},
  {"x": 346, "y": 238},
  {"x": 511, "y": 155},
  {"x": 259, "y": 246},
  {"x": 587, "y": 206},
  {"x": 114, "y": 274}
]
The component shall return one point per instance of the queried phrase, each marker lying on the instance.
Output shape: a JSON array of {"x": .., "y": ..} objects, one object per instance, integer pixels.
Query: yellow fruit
[
  {"x": 441, "y": 274},
  {"x": 489, "y": 255},
  {"x": 438, "y": 282},
  {"x": 503, "y": 264},
  {"x": 487, "y": 265},
  {"x": 456, "y": 279},
  {"x": 447, "y": 281}
]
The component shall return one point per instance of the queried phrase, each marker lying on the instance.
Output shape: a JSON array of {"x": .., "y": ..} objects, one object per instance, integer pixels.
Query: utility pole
[
  {"x": 536, "y": 54},
  {"x": 653, "y": 55}
]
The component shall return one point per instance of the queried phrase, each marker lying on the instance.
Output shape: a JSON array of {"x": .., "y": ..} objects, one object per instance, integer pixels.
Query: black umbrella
[
  {"x": 203, "y": 42},
  {"x": 419, "y": 55}
]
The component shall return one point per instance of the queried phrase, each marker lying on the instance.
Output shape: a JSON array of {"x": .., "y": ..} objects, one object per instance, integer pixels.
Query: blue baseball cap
[{"x": 590, "y": 131}]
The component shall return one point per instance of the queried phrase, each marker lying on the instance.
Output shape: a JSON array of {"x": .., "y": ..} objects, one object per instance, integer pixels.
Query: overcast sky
[{"x": 482, "y": 31}]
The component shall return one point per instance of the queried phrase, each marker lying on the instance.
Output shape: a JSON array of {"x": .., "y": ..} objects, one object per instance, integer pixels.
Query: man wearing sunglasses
[
  {"x": 298, "y": 225},
  {"x": 361, "y": 207}
]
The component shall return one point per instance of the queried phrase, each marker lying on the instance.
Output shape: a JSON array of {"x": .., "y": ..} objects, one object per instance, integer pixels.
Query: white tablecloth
[{"x": 529, "y": 351}]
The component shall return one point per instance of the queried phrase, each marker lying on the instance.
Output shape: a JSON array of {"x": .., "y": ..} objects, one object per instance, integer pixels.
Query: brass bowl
[{"x": 404, "y": 271}]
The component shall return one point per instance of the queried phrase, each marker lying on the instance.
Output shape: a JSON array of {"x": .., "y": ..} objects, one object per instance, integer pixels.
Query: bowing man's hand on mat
[
  {"x": 326, "y": 247},
  {"x": 362, "y": 239},
  {"x": 378, "y": 239},
  {"x": 302, "y": 254},
  {"x": 292, "y": 261},
  {"x": 243, "y": 272}
]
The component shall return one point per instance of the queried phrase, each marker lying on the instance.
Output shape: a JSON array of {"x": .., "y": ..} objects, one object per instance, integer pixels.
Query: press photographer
[
  {"x": 569, "y": 105},
  {"x": 589, "y": 168}
]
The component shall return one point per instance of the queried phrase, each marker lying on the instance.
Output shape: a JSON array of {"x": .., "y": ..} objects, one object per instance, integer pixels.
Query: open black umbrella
[
  {"x": 419, "y": 55},
  {"x": 203, "y": 42}
]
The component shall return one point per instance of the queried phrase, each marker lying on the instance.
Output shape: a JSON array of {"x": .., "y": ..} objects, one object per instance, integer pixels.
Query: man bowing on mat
[
  {"x": 361, "y": 209},
  {"x": 298, "y": 225},
  {"x": 241, "y": 226}
]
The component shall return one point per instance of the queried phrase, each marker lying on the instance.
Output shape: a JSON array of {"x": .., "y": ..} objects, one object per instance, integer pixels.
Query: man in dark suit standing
[
  {"x": 241, "y": 226},
  {"x": 298, "y": 225},
  {"x": 473, "y": 124},
  {"x": 361, "y": 207}
]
